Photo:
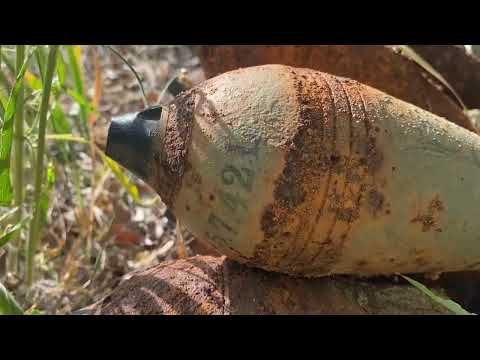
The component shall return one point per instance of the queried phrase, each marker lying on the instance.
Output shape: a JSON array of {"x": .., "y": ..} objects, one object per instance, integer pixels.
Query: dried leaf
[
  {"x": 182, "y": 251},
  {"x": 9, "y": 213},
  {"x": 97, "y": 91},
  {"x": 123, "y": 235},
  {"x": 120, "y": 175}
]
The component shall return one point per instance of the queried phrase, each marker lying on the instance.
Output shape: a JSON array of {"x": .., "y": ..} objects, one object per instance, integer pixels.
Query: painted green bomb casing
[{"x": 301, "y": 172}]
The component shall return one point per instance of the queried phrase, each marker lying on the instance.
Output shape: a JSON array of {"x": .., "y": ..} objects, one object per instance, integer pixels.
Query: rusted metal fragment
[
  {"x": 182, "y": 287},
  {"x": 374, "y": 65},
  {"x": 205, "y": 285},
  {"x": 460, "y": 69}
]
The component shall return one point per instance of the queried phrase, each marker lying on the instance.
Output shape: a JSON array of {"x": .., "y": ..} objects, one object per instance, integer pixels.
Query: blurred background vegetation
[{"x": 72, "y": 222}]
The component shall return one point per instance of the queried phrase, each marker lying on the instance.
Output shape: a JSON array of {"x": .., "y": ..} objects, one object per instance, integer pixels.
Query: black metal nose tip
[
  {"x": 152, "y": 113},
  {"x": 129, "y": 140}
]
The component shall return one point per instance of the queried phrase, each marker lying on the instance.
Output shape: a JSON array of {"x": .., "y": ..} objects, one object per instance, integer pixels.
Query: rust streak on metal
[
  {"x": 337, "y": 246},
  {"x": 171, "y": 166},
  {"x": 429, "y": 219},
  {"x": 361, "y": 187},
  {"x": 351, "y": 217},
  {"x": 312, "y": 146}
]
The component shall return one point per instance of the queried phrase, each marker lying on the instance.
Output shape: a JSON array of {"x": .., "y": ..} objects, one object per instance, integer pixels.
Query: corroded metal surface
[
  {"x": 374, "y": 65},
  {"x": 180, "y": 287},
  {"x": 460, "y": 69},
  {"x": 301, "y": 172},
  {"x": 216, "y": 286}
]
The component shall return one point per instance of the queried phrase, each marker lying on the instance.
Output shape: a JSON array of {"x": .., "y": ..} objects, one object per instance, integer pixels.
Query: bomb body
[{"x": 297, "y": 171}]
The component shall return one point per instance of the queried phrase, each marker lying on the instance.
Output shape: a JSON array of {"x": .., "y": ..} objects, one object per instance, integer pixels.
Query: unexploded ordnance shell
[{"x": 301, "y": 172}]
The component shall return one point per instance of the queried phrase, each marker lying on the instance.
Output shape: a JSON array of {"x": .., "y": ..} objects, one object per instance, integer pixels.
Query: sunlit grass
[{"x": 33, "y": 80}]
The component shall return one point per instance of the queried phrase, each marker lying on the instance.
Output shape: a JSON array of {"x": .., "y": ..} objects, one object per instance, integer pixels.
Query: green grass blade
[
  {"x": 74, "y": 68},
  {"x": 12, "y": 232},
  {"x": 63, "y": 87},
  {"x": 61, "y": 69},
  {"x": 59, "y": 121},
  {"x": 121, "y": 177},
  {"x": 35, "y": 224},
  {"x": 449, "y": 304},
  {"x": 45, "y": 195},
  {"x": 2, "y": 109},
  {"x": 6, "y": 137},
  {"x": 8, "y": 304},
  {"x": 11, "y": 105},
  {"x": 34, "y": 82},
  {"x": 41, "y": 60},
  {"x": 132, "y": 69},
  {"x": 125, "y": 181},
  {"x": 165, "y": 88},
  {"x": 6, "y": 190},
  {"x": 85, "y": 105},
  {"x": 67, "y": 137},
  {"x": 33, "y": 312},
  {"x": 80, "y": 99},
  {"x": 18, "y": 164}
]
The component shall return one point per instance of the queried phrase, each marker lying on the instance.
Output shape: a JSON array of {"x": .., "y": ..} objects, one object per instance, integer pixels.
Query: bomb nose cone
[{"x": 129, "y": 140}]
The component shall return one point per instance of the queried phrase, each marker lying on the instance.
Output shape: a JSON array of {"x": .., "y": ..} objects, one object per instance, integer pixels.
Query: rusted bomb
[{"x": 301, "y": 172}]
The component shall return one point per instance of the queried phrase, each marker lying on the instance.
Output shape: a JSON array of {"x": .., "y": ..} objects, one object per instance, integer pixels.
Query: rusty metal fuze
[{"x": 301, "y": 172}]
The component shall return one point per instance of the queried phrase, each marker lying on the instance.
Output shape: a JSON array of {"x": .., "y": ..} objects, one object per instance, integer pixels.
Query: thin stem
[
  {"x": 78, "y": 85},
  {"x": 132, "y": 69},
  {"x": 2, "y": 110},
  {"x": 35, "y": 224},
  {"x": 91, "y": 122},
  {"x": 165, "y": 88},
  {"x": 77, "y": 184},
  {"x": 18, "y": 163}
]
